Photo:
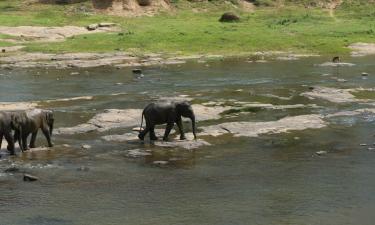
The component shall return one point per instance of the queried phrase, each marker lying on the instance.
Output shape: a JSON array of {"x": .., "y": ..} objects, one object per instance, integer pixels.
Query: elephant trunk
[{"x": 193, "y": 126}]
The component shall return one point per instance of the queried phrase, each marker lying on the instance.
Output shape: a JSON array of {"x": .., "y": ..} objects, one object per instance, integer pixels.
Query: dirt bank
[{"x": 47, "y": 34}]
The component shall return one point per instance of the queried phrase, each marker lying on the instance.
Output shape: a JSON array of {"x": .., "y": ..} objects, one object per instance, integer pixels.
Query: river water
[{"x": 270, "y": 179}]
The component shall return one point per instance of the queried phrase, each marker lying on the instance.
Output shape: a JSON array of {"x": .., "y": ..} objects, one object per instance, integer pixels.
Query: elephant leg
[
  {"x": 152, "y": 134},
  {"x": 24, "y": 142},
  {"x": 143, "y": 133},
  {"x": 1, "y": 139},
  {"x": 167, "y": 131},
  {"x": 48, "y": 136},
  {"x": 33, "y": 139},
  {"x": 181, "y": 130},
  {"x": 9, "y": 139}
]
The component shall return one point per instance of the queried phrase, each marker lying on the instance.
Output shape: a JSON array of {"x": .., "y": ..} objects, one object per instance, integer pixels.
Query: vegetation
[{"x": 292, "y": 27}]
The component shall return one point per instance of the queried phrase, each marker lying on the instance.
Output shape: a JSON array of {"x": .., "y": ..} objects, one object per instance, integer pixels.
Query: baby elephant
[
  {"x": 30, "y": 122},
  {"x": 166, "y": 113},
  {"x": 8, "y": 122}
]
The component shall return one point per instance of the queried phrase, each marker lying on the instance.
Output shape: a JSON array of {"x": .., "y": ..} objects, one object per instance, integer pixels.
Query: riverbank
[{"x": 192, "y": 30}]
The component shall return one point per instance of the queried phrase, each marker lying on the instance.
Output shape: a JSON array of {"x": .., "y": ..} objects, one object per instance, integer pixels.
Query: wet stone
[
  {"x": 85, "y": 147},
  {"x": 29, "y": 178},
  {"x": 160, "y": 163},
  {"x": 83, "y": 168},
  {"x": 321, "y": 152},
  {"x": 12, "y": 169},
  {"x": 135, "y": 153}
]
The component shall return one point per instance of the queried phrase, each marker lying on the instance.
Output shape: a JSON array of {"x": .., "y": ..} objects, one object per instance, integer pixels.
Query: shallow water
[{"x": 271, "y": 179}]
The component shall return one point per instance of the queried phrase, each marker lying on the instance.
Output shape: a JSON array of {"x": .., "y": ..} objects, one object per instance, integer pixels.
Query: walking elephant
[
  {"x": 166, "y": 113},
  {"x": 8, "y": 122},
  {"x": 30, "y": 122}
]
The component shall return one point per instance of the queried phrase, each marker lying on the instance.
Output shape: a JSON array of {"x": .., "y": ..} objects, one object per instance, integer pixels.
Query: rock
[
  {"x": 66, "y": 145},
  {"x": 336, "y": 59},
  {"x": 29, "y": 178},
  {"x": 364, "y": 74},
  {"x": 160, "y": 163},
  {"x": 229, "y": 17},
  {"x": 331, "y": 94},
  {"x": 371, "y": 149},
  {"x": 135, "y": 153},
  {"x": 107, "y": 24},
  {"x": 74, "y": 73},
  {"x": 85, "y": 146},
  {"x": 92, "y": 26},
  {"x": 83, "y": 168},
  {"x": 137, "y": 129},
  {"x": 363, "y": 144},
  {"x": 185, "y": 144},
  {"x": 321, "y": 152},
  {"x": 12, "y": 169},
  {"x": 137, "y": 71},
  {"x": 254, "y": 129},
  {"x": 3, "y": 50},
  {"x": 336, "y": 64},
  {"x": 144, "y": 2}
]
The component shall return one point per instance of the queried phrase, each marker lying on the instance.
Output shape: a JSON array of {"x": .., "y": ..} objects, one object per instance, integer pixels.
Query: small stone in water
[
  {"x": 160, "y": 163},
  {"x": 74, "y": 73},
  {"x": 321, "y": 152},
  {"x": 66, "y": 145},
  {"x": 371, "y": 149},
  {"x": 83, "y": 168},
  {"x": 137, "y": 129},
  {"x": 364, "y": 74},
  {"x": 363, "y": 144},
  {"x": 12, "y": 170},
  {"x": 29, "y": 178},
  {"x": 85, "y": 146}
]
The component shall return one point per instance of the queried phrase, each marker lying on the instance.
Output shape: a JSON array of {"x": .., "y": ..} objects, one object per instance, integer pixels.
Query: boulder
[
  {"x": 229, "y": 17},
  {"x": 92, "y": 26},
  {"x": 29, "y": 178},
  {"x": 144, "y": 2}
]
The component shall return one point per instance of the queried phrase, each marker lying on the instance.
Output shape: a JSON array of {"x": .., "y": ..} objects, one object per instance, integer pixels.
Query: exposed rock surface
[
  {"x": 35, "y": 33},
  {"x": 331, "y": 94},
  {"x": 362, "y": 49},
  {"x": 335, "y": 64},
  {"x": 29, "y": 178},
  {"x": 131, "y": 7},
  {"x": 254, "y": 129}
]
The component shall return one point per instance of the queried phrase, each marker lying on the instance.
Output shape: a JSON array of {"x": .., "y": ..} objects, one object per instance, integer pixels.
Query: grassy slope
[{"x": 288, "y": 28}]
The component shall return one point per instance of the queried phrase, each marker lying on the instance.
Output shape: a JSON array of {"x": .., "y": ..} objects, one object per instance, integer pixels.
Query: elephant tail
[{"x": 141, "y": 127}]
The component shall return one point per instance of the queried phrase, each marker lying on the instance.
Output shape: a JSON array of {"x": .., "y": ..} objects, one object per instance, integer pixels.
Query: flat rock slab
[
  {"x": 42, "y": 34},
  {"x": 10, "y": 106},
  {"x": 254, "y": 129},
  {"x": 331, "y": 94},
  {"x": 10, "y": 49},
  {"x": 362, "y": 49},
  {"x": 185, "y": 144},
  {"x": 333, "y": 64}
]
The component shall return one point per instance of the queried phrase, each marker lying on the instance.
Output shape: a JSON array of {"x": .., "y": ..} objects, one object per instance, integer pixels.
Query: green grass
[
  {"x": 364, "y": 94},
  {"x": 289, "y": 28}
]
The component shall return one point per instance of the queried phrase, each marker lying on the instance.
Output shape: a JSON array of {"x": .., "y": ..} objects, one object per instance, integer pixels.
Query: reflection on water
[{"x": 272, "y": 179}]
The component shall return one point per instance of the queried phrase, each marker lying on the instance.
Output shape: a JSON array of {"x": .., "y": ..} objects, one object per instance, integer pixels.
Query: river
[{"x": 269, "y": 179}]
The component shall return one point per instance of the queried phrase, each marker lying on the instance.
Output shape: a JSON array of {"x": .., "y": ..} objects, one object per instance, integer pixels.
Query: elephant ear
[{"x": 49, "y": 116}]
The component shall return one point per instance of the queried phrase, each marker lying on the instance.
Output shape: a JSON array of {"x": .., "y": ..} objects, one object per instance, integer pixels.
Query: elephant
[
  {"x": 8, "y": 122},
  {"x": 169, "y": 113},
  {"x": 30, "y": 122}
]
